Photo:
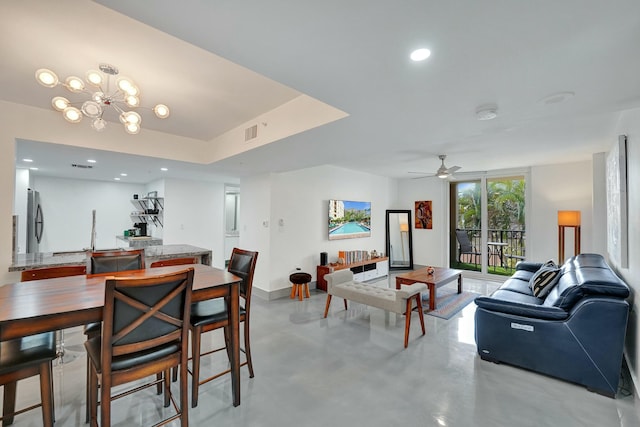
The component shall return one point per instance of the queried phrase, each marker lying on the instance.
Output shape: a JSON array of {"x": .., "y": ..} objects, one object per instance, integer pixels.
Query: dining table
[{"x": 33, "y": 307}]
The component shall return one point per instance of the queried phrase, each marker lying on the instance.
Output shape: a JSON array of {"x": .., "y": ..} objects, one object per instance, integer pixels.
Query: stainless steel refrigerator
[{"x": 35, "y": 221}]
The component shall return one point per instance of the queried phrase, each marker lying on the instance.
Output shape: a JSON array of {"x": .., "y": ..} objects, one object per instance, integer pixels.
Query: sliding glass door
[{"x": 487, "y": 220}]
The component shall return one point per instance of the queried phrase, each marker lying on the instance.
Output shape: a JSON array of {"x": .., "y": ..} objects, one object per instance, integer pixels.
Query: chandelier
[{"x": 123, "y": 97}]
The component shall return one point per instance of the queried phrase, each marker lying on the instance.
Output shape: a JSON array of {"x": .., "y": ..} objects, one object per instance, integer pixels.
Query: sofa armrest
[
  {"x": 521, "y": 309},
  {"x": 528, "y": 266},
  {"x": 407, "y": 291}
]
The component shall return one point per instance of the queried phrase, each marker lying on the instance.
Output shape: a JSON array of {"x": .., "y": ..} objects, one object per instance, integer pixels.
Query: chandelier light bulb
[
  {"x": 59, "y": 103},
  {"x": 46, "y": 78},
  {"x": 72, "y": 115},
  {"x": 133, "y": 90},
  {"x": 132, "y": 101},
  {"x": 132, "y": 128},
  {"x": 74, "y": 84},
  {"x": 98, "y": 97},
  {"x": 162, "y": 111},
  {"x": 132, "y": 117},
  {"x": 91, "y": 109},
  {"x": 124, "y": 84},
  {"x": 98, "y": 124},
  {"x": 94, "y": 78}
]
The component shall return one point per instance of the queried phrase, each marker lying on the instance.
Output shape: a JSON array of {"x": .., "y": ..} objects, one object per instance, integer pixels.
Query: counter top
[{"x": 152, "y": 253}]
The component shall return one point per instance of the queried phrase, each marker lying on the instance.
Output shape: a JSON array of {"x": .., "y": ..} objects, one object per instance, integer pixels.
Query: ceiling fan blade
[{"x": 453, "y": 169}]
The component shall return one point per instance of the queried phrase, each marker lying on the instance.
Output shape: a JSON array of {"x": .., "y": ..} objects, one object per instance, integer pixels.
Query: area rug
[{"x": 448, "y": 302}]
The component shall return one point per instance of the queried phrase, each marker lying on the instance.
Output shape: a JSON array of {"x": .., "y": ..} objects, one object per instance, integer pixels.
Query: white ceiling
[{"x": 352, "y": 55}]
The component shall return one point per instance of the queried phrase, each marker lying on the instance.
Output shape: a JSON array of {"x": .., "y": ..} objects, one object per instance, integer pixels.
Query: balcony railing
[{"x": 507, "y": 248}]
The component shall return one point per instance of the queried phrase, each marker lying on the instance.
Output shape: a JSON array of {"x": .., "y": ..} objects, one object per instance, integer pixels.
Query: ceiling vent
[
  {"x": 76, "y": 165},
  {"x": 250, "y": 133}
]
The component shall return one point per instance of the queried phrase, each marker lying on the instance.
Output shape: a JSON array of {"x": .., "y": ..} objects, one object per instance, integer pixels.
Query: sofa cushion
[{"x": 544, "y": 280}]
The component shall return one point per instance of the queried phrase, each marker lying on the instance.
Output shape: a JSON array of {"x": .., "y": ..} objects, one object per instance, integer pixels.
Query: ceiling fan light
[
  {"x": 46, "y": 77},
  {"x": 72, "y": 115},
  {"x": 162, "y": 111},
  {"x": 74, "y": 84},
  {"x": 59, "y": 103},
  {"x": 442, "y": 175},
  {"x": 99, "y": 124},
  {"x": 91, "y": 109},
  {"x": 132, "y": 128},
  {"x": 94, "y": 78}
]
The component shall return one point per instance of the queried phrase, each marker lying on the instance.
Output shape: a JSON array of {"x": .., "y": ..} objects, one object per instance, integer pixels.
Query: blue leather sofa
[{"x": 576, "y": 333}]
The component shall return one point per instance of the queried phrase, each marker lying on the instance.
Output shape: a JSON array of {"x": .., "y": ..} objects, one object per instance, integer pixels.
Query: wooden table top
[
  {"x": 73, "y": 294},
  {"x": 439, "y": 275}
]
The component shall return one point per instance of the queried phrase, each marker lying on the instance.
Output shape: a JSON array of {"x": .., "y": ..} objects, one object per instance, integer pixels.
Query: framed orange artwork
[{"x": 424, "y": 214}]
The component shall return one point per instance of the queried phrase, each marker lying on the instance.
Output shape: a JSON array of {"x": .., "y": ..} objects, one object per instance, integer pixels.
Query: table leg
[
  {"x": 460, "y": 283},
  {"x": 234, "y": 314},
  {"x": 432, "y": 296}
]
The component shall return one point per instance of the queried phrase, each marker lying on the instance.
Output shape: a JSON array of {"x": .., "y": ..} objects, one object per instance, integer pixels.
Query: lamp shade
[
  {"x": 569, "y": 218},
  {"x": 404, "y": 226}
]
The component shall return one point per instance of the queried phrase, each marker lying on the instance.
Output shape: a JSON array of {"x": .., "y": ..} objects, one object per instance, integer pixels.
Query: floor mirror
[{"x": 399, "y": 239}]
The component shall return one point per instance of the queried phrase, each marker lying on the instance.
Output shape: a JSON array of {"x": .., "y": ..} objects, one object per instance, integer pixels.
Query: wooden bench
[{"x": 342, "y": 285}]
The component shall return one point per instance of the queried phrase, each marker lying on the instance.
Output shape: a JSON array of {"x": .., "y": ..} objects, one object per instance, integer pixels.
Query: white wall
[
  {"x": 430, "y": 247},
  {"x": 630, "y": 125},
  {"x": 67, "y": 206},
  {"x": 193, "y": 214},
  {"x": 300, "y": 200},
  {"x": 566, "y": 186}
]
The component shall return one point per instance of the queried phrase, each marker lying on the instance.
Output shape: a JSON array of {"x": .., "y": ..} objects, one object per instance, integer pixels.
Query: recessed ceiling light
[
  {"x": 117, "y": 179},
  {"x": 487, "y": 112},
  {"x": 420, "y": 54},
  {"x": 123, "y": 174},
  {"x": 91, "y": 161},
  {"x": 34, "y": 169},
  {"x": 164, "y": 169},
  {"x": 27, "y": 160}
]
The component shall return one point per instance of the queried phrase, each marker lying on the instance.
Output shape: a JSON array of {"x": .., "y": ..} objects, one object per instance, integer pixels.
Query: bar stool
[{"x": 299, "y": 280}]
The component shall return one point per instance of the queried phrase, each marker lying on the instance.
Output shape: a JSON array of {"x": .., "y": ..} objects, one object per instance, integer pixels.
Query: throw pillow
[{"x": 544, "y": 280}]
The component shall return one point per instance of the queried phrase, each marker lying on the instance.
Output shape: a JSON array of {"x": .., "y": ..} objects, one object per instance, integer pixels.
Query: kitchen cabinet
[{"x": 149, "y": 210}]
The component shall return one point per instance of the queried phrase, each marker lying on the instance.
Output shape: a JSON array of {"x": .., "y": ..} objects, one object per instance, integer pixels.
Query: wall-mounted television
[{"x": 349, "y": 219}]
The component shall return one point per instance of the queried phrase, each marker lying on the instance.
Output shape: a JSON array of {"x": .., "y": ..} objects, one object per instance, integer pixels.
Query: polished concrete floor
[{"x": 351, "y": 370}]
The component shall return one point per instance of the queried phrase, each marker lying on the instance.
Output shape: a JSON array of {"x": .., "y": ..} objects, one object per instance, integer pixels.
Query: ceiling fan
[{"x": 443, "y": 172}]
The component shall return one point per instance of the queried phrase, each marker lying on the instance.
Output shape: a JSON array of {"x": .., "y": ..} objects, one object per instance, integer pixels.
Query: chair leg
[
  {"x": 46, "y": 394},
  {"x": 184, "y": 395},
  {"x": 300, "y": 291},
  {"x": 306, "y": 288},
  {"x": 326, "y": 307},
  {"x": 167, "y": 387},
  {"x": 293, "y": 291},
  {"x": 93, "y": 397},
  {"x": 195, "y": 364},
  {"x": 407, "y": 323},
  {"x": 105, "y": 402},
  {"x": 247, "y": 347},
  {"x": 9, "y": 402},
  {"x": 420, "y": 312}
]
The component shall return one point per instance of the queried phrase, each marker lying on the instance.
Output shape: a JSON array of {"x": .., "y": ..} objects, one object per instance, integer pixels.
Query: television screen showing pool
[{"x": 349, "y": 219}]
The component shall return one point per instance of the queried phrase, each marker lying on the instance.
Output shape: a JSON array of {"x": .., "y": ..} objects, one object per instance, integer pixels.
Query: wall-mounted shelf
[{"x": 149, "y": 210}]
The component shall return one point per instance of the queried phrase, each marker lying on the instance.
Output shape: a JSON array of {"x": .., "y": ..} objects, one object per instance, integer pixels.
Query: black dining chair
[
  {"x": 145, "y": 332},
  {"x": 213, "y": 314},
  {"x": 24, "y": 358},
  {"x": 466, "y": 248},
  {"x": 102, "y": 263}
]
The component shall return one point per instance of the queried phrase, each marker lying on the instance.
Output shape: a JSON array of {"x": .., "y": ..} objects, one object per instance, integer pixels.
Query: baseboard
[{"x": 278, "y": 293}]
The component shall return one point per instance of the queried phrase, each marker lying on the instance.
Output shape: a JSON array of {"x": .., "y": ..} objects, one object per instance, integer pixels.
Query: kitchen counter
[
  {"x": 151, "y": 254},
  {"x": 140, "y": 241}
]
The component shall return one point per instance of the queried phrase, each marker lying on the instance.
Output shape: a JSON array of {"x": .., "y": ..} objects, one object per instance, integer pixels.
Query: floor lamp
[
  {"x": 568, "y": 219},
  {"x": 404, "y": 228}
]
